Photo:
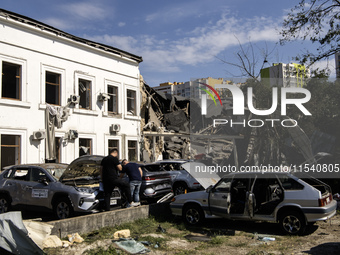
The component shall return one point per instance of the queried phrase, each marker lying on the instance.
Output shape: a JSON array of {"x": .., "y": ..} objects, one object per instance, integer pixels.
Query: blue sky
[{"x": 178, "y": 40}]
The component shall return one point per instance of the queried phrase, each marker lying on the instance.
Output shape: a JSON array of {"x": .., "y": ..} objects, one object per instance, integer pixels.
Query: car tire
[
  {"x": 179, "y": 188},
  {"x": 62, "y": 208},
  {"x": 193, "y": 215},
  {"x": 292, "y": 223},
  {"x": 4, "y": 203}
]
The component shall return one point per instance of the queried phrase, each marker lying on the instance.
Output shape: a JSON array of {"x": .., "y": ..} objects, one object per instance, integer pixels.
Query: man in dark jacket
[
  {"x": 135, "y": 174},
  {"x": 109, "y": 174}
]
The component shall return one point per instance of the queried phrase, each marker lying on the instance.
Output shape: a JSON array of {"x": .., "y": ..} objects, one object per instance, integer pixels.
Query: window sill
[
  {"x": 16, "y": 103},
  {"x": 132, "y": 117},
  {"x": 110, "y": 115},
  {"x": 85, "y": 112}
]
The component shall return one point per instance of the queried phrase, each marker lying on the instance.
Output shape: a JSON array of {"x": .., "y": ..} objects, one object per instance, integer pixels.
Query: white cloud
[
  {"x": 200, "y": 45},
  {"x": 61, "y": 24},
  {"x": 121, "y": 24},
  {"x": 86, "y": 10}
]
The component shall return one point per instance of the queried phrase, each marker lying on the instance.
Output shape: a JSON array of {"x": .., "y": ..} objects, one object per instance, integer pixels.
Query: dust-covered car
[
  {"x": 181, "y": 180},
  {"x": 280, "y": 197},
  {"x": 155, "y": 182},
  {"x": 51, "y": 186}
]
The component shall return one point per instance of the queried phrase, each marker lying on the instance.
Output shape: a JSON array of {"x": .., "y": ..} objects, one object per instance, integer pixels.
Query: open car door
[{"x": 220, "y": 197}]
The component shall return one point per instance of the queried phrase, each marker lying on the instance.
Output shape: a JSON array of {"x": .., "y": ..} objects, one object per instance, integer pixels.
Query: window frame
[
  {"x": 62, "y": 89},
  {"x": 19, "y": 148},
  {"x": 117, "y": 99},
  {"x": 23, "y": 80},
  {"x": 19, "y": 89},
  {"x": 128, "y": 115},
  {"x": 53, "y": 84},
  {"x": 82, "y": 76},
  {"x": 128, "y": 139}
]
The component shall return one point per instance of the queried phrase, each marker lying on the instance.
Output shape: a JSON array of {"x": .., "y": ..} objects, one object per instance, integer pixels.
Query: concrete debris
[
  {"x": 125, "y": 233},
  {"x": 38, "y": 231},
  {"x": 52, "y": 241},
  {"x": 75, "y": 238}
]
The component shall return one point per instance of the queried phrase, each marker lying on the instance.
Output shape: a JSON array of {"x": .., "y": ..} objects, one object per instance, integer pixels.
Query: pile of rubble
[{"x": 164, "y": 124}]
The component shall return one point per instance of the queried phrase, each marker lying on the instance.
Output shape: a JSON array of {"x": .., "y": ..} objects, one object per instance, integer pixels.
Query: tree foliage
[{"x": 317, "y": 21}]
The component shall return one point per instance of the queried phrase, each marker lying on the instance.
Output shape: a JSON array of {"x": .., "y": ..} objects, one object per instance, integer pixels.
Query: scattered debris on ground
[{"x": 215, "y": 237}]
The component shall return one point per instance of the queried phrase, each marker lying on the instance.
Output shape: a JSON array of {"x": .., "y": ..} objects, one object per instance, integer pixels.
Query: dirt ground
[{"x": 216, "y": 236}]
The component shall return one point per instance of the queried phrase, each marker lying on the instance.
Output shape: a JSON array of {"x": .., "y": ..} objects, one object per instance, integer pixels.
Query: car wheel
[
  {"x": 4, "y": 203},
  {"x": 193, "y": 214},
  {"x": 292, "y": 223},
  {"x": 63, "y": 208},
  {"x": 180, "y": 188}
]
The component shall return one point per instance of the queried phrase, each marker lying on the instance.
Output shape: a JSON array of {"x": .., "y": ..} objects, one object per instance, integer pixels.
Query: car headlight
[{"x": 84, "y": 190}]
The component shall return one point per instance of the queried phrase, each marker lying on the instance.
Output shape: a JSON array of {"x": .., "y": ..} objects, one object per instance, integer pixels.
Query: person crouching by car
[
  {"x": 135, "y": 174},
  {"x": 109, "y": 175}
]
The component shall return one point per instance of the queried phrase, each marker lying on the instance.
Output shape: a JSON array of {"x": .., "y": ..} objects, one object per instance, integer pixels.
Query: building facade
[
  {"x": 285, "y": 75},
  {"x": 92, "y": 87},
  {"x": 187, "y": 89}
]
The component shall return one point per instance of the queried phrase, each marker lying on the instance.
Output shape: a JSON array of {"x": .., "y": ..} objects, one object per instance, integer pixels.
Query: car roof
[{"x": 42, "y": 165}]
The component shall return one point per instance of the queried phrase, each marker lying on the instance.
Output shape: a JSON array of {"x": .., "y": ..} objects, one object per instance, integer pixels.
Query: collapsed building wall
[{"x": 167, "y": 118}]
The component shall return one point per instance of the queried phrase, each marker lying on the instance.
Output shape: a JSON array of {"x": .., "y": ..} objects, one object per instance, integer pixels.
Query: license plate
[
  {"x": 327, "y": 200},
  {"x": 113, "y": 202}
]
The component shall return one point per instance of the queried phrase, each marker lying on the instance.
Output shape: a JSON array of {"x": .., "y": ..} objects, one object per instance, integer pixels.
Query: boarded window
[
  {"x": 131, "y": 102},
  {"x": 10, "y": 150},
  {"x": 132, "y": 150},
  {"x": 11, "y": 81},
  {"x": 53, "y": 88},
  {"x": 113, "y": 144},
  {"x": 85, "y": 146},
  {"x": 113, "y": 101},
  {"x": 85, "y": 94}
]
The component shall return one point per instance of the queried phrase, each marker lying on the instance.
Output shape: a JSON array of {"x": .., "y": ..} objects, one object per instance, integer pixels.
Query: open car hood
[
  {"x": 84, "y": 167},
  {"x": 200, "y": 172}
]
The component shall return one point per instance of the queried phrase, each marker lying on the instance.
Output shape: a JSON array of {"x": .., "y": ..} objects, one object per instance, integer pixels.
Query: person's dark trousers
[{"x": 110, "y": 185}]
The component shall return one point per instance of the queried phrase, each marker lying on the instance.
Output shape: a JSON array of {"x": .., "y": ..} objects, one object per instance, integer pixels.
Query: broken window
[
  {"x": 11, "y": 81},
  {"x": 131, "y": 101},
  {"x": 52, "y": 81},
  {"x": 132, "y": 150},
  {"x": 113, "y": 101},
  {"x": 58, "y": 149},
  {"x": 113, "y": 144},
  {"x": 85, "y": 94},
  {"x": 10, "y": 150},
  {"x": 85, "y": 146}
]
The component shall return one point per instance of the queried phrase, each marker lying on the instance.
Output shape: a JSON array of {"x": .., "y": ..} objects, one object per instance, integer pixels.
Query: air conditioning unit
[
  {"x": 114, "y": 128},
  {"x": 71, "y": 135},
  {"x": 103, "y": 97},
  {"x": 39, "y": 135},
  {"x": 74, "y": 99}
]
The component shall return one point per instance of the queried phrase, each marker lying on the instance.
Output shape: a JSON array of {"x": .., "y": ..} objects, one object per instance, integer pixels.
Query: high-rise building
[{"x": 285, "y": 75}]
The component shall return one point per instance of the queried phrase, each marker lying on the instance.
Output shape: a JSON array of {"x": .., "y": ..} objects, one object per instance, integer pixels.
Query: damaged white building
[{"x": 59, "y": 89}]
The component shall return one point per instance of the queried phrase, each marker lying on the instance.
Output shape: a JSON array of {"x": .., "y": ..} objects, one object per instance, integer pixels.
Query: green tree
[{"x": 317, "y": 21}]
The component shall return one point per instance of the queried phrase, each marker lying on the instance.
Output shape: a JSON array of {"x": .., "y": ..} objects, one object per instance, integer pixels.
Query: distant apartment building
[
  {"x": 337, "y": 64},
  {"x": 285, "y": 75},
  {"x": 189, "y": 88},
  {"x": 89, "y": 91}
]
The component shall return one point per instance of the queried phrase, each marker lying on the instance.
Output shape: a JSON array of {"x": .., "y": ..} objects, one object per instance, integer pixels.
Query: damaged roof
[{"x": 43, "y": 26}]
